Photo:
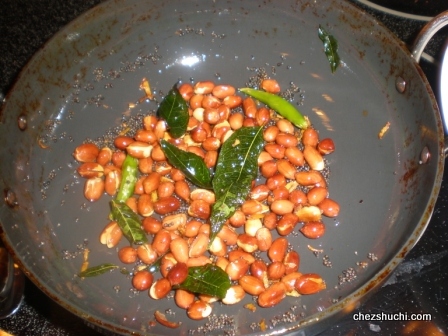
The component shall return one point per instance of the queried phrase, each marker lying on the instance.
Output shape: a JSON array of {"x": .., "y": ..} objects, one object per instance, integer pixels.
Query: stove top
[{"x": 419, "y": 285}]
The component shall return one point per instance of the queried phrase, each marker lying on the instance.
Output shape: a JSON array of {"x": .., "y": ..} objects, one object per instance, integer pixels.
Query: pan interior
[{"x": 84, "y": 81}]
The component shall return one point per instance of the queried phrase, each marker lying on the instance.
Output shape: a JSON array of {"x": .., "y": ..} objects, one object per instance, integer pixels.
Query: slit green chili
[
  {"x": 279, "y": 105},
  {"x": 129, "y": 175}
]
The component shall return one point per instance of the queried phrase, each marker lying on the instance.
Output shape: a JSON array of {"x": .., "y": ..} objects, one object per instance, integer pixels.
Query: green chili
[
  {"x": 129, "y": 173},
  {"x": 279, "y": 105}
]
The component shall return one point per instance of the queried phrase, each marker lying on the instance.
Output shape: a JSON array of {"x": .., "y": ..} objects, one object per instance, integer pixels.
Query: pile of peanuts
[{"x": 175, "y": 213}]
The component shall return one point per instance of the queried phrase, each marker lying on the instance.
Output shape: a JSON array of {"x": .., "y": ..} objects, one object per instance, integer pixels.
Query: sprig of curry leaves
[
  {"x": 330, "y": 48},
  {"x": 208, "y": 279},
  {"x": 174, "y": 110},
  {"x": 190, "y": 164},
  {"x": 236, "y": 168}
]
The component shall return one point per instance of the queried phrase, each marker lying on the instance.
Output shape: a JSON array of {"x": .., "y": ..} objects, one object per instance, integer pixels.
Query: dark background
[{"x": 420, "y": 283}]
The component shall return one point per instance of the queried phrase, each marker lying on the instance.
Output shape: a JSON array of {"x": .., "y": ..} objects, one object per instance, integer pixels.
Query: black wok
[{"x": 81, "y": 83}]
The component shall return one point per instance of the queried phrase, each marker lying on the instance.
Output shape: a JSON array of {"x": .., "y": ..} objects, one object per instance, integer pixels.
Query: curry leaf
[
  {"x": 235, "y": 170},
  {"x": 97, "y": 270},
  {"x": 129, "y": 222},
  {"x": 330, "y": 48},
  {"x": 208, "y": 279},
  {"x": 190, "y": 164},
  {"x": 174, "y": 110}
]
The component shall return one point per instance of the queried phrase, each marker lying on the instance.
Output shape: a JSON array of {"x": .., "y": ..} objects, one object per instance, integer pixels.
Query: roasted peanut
[
  {"x": 276, "y": 181},
  {"x": 149, "y": 122},
  {"x": 237, "y": 219},
  {"x": 286, "y": 140},
  {"x": 264, "y": 239},
  {"x": 270, "y": 85},
  {"x": 295, "y": 156},
  {"x": 251, "y": 284},
  {"x": 146, "y": 253},
  {"x": 290, "y": 280},
  {"x": 204, "y": 87},
  {"x": 111, "y": 235},
  {"x": 252, "y": 207},
  {"x": 178, "y": 273},
  {"x": 167, "y": 262},
  {"x": 161, "y": 242},
  {"x": 160, "y": 288},
  {"x": 263, "y": 157},
  {"x": 268, "y": 168},
  {"x": 309, "y": 283},
  {"x": 240, "y": 254},
  {"x": 183, "y": 298},
  {"x": 298, "y": 197},
  {"x": 232, "y": 101},
  {"x": 236, "y": 121},
  {"x": 310, "y": 178},
  {"x": 262, "y": 116},
  {"x": 234, "y": 295},
  {"x": 199, "y": 209},
  {"x": 310, "y": 137},
  {"x": 145, "y": 136},
  {"x": 286, "y": 169},
  {"x": 86, "y": 152},
  {"x": 277, "y": 251},
  {"x": 272, "y": 295},
  {"x": 329, "y": 207},
  {"x": 228, "y": 235},
  {"x": 142, "y": 280},
  {"x": 151, "y": 225},
  {"x": 199, "y": 310},
  {"x": 174, "y": 222},
  {"x": 127, "y": 255},
  {"x": 93, "y": 188},
  {"x": 199, "y": 245},
  {"x": 252, "y": 225},
  {"x": 166, "y": 205},
  {"x": 122, "y": 141},
  {"x": 90, "y": 170},
  {"x": 275, "y": 150},
  {"x": 191, "y": 228},
  {"x": 249, "y": 107},
  {"x": 182, "y": 189},
  {"x": 247, "y": 243},
  {"x": 270, "y": 220},
  {"x": 118, "y": 158},
  {"x": 291, "y": 262},
  {"x": 144, "y": 205},
  {"x": 313, "y": 230},
  {"x": 282, "y": 207},
  {"x": 157, "y": 154},
  {"x": 259, "y": 269},
  {"x": 218, "y": 247},
  {"x": 112, "y": 182},
  {"x": 276, "y": 270},
  {"x": 286, "y": 224},
  {"x": 186, "y": 91},
  {"x": 179, "y": 249},
  {"x": 309, "y": 214},
  {"x": 325, "y": 146},
  {"x": 313, "y": 158},
  {"x": 223, "y": 91},
  {"x": 237, "y": 268},
  {"x": 104, "y": 156},
  {"x": 151, "y": 182},
  {"x": 285, "y": 126},
  {"x": 316, "y": 195}
]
